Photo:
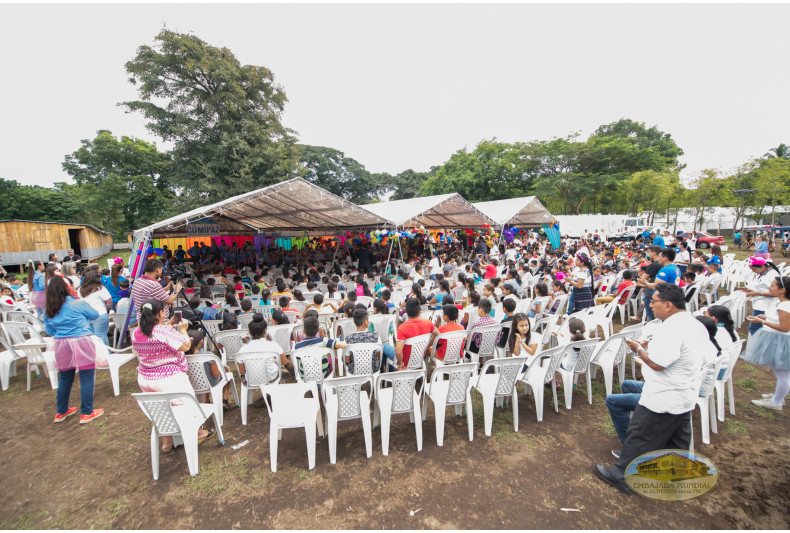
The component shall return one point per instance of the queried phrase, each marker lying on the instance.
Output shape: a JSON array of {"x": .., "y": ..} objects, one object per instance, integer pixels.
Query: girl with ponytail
[
  {"x": 113, "y": 282},
  {"x": 160, "y": 347}
]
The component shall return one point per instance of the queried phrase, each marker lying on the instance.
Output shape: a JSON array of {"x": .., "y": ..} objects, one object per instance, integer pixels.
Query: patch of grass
[
  {"x": 133, "y": 487},
  {"x": 734, "y": 427},
  {"x": 598, "y": 390},
  {"x": 117, "y": 506},
  {"x": 300, "y": 474},
  {"x": 748, "y": 384},
  {"x": 26, "y": 520},
  {"x": 260, "y": 480},
  {"x": 765, "y": 413},
  {"x": 360, "y": 489},
  {"x": 747, "y": 368},
  {"x": 217, "y": 477},
  {"x": 606, "y": 426},
  {"x": 60, "y": 523}
]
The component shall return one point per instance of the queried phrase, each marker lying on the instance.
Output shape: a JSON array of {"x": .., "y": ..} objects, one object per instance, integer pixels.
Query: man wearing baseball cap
[{"x": 757, "y": 290}]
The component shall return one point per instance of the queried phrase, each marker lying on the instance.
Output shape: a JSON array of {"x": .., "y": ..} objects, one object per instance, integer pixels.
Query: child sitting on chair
[{"x": 311, "y": 328}]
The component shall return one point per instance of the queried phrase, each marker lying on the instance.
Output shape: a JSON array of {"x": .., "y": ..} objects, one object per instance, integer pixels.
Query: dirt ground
[{"x": 97, "y": 476}]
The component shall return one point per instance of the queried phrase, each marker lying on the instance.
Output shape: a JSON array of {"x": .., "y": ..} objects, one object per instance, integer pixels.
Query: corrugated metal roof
[{"x": 60, "y": 223}]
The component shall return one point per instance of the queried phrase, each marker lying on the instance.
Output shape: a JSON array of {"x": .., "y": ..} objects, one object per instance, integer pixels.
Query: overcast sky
[{"x": 405, "y": 86}]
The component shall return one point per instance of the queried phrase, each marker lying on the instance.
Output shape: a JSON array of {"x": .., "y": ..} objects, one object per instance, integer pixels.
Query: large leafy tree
[
  {"x": 339, "y": 174},
  {"x": 492, "y": 171},
  {"x": 781, "y": 152},
  {"x": 406, "y": 184},
  {"x": 223, "y": 118},
  {"x": 121, "y": 184},
  {"x": 31, "y": 202},
  {"x": 640, "y": 135}
]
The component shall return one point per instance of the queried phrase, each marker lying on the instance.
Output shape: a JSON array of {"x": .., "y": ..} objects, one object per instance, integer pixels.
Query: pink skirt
[
  {"x": 38, "y": 300},
  {"x": 75, "y": 352}
]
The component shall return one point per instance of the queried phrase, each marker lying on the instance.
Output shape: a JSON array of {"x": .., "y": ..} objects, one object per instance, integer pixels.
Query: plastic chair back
[
  {"x": 346, "y": 325},
  {"x": 347, "y": 390},
  {"x": 307, "y": 362},
  {"x": 382, "y": 324},
  {"x": 362, "y": 355},
  {"x": 255, "y": 367},
  {"x": 733, "y": 351},
  {"x": 586, "y": 351},
  {"x": 404, "y": 385},
  {"x": 281, "y": 334},
  {"x": 158, "y": 407},
  {"x": 419, "y": 345},
  {"x": 197, "y": 371},
  {"x": 508, "y": 372},
  {"x": 455, "y": 341},
  {"x": 459, "y": 377},
  {"x": 488, "y": 339},
  {"x": 231, "y": 341}
]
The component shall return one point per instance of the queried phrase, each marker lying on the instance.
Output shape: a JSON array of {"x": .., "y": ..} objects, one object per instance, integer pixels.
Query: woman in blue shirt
[
  {"x": 36, "y": 286},
  {"x": 761, "y": 248},
  {"x": 68, "y": 320},
  {"x": 113, "y": 283}
]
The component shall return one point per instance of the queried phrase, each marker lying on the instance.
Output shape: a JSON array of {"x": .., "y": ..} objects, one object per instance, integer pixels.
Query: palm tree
[{"x": 782, "y": 152}]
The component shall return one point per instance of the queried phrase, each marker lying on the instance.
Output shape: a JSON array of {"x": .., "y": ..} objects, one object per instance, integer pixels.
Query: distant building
[
  {"x": 23, "y": 240},
  {"x": 672, "y": 467}
]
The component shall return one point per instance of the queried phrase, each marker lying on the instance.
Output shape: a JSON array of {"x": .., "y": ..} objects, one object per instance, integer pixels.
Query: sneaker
[
  {"x": 68, "y": 413},
  {"x": 768, "y": 404},
  {"x": 616, "y": 453},
  {"x": 84, "y": 419},
  {"x": 771, "y": 397}
]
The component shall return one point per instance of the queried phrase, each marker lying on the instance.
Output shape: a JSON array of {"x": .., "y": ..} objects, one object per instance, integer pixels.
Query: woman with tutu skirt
[{"x": 770, "y": 345}]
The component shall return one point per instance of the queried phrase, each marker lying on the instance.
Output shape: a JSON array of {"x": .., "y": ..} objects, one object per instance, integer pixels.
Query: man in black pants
[{"x": 673, "y": 373}]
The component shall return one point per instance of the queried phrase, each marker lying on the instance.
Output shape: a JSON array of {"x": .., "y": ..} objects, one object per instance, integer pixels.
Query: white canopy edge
[
  {"x": 524, "y": 211},
  {"x": 434, "y": 212},
  {"x": 294, "y": 204}
]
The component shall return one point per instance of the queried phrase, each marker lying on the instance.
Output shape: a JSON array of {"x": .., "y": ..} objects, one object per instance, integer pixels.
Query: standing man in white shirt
[{"x": 672, "y": 369}]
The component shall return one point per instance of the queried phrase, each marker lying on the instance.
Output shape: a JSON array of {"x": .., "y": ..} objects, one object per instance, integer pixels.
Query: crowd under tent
[
  {"x": 526, "y": 211},
  {"x": 443, "y": 211}
]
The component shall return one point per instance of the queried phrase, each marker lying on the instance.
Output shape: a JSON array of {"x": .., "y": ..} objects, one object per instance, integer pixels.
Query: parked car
[{"x": 704, "y": 240}]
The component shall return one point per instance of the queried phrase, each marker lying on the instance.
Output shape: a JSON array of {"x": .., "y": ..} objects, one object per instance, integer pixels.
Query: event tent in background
[
  {"x": 526, "y": 211},
  {"x": 443, "y": 211}
]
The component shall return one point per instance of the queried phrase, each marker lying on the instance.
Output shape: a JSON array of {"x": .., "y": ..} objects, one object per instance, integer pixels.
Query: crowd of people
[{"x": 465, "y": 281}]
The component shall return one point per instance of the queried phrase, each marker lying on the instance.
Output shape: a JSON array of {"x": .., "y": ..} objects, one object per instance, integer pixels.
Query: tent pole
[
  {"x": 387, "y": 267},
  {"x": 136, "y": 262},
  {"x": 402, "y": 260}
]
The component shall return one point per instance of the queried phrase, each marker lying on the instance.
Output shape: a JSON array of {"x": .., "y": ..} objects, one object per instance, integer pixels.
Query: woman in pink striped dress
[{"x": 160, "y": 347}]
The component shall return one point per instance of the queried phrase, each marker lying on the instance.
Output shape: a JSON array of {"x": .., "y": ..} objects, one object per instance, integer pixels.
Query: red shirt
[
  {"x": 442, "y": 345},
  {"x": 490, "y": 272},
  {"x": 413, "y": 327},
  {"x": 624, "y": 285}
]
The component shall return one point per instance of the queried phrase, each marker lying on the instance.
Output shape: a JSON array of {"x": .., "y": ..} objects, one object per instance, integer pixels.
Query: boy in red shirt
[
  {"x": 450, "y": 316},
  {"x": 413, "y": 327}
]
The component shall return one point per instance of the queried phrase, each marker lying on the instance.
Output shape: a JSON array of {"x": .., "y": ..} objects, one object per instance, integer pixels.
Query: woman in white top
[
  {"x": 759, "y": 289},
  {"x": 99, "y": 298},
  {"x": 70, "y": 273},
  {"x": 770, "y": 346}
]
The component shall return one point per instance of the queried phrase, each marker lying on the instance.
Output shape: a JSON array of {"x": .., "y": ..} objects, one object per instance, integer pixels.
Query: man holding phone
[{"x": 672, "y": 371}]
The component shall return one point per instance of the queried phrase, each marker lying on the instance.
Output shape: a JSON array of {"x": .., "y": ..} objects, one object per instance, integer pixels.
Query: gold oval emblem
[{"x": 671, "y": 475}]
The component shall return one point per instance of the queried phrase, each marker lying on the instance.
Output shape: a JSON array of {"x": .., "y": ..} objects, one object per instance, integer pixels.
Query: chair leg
[
  {"x": 488, "y": 413},
  {"x": 155, "y": 453},
  {"x": 470, "y": 417},
  {"x": 514, "y": 399},
  {"x": 331, "y": 433},
  {"x": 554, "y": 390},
  {"x": 114, "y": 376},
  {"x": 732, "y": 396},
  {"x": 719, "y": 390},
  {"x": 274, "y": 438},
  {"x": 243, "y": 404},
  {"x": 368, "y": 434},
  {"x": 439, "y": 411},
  {"x": 28, "y": 377},
  {"x": 309, "y": 430},
  {"x": 418, "y": 426},
  {"x": 608, "y": 379},
  {"x": 386, "y": 417},
  {"x": 589, "y": 387},
  {"x": 712, "y": 414},
  {"x": 567, "y": 389},
  {"x": 191, "y": 449},
  {"x": 704, "y": 422}
]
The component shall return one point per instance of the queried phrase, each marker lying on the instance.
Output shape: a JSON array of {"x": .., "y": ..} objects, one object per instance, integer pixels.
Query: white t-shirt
[
  {"x": 510, "y": 254},
  {"x": 96, "y": 300},
  {"x": 436, "y": 267},
  {"x": 683, "y": 256},
  {"x": 763, "y": 284},
  {"x": 772, "y": 315},
  {"x": 263, "y": 345},
  {"x": 681, "y": 345}
]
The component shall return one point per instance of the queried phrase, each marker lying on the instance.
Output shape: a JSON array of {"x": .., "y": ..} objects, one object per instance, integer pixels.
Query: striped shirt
[
  {"x": 148, "y": 288},
  {"x": 159, "y": 354}
]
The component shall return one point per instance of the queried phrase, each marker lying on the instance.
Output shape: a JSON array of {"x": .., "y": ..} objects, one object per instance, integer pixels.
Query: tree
[
  {"x": 31, "y": 202},
  {"x": 649, "y": 191},
  {"x": 782, "y": 152},
  {"x": 492, "y": 171},
  {"x": 406, "y": 184},
  {"x": 705, "y": 192},
  {"x": 773, "y": 183},
  {"x": 638, "y": 134},
  {"x": 121, "y": 185},
  {"x": 341, "y": 175},
  {"x": 739, "y": 191},
  {"x": 223, "y": 117}
]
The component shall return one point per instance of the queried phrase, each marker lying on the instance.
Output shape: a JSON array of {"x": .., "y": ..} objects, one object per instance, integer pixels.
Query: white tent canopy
[
  {"x": 433, "y": 212},
  {"x": 294, "y": 204},
  {"x": 524, "y": 211}
]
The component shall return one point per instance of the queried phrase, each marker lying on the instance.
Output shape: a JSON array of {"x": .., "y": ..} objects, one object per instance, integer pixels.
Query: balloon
[{"x": 150, "y": 249}]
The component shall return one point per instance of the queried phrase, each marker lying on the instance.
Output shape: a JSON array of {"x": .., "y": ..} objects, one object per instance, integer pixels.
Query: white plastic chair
[
  {"x": 706, "y": 401},
  {"x": 582, "y": 366},
  {"x": 309, "y": 360},
  {"x": 382, "y": 324},
  {"x": 289, "y": 407},
  {"x": 115, "y": 358},
  {"x": 181, "y": 421},
  {"x": 402, "y": 397},
  {"x": 344, "y": 325},
  {"x": 24, "y": 316},
  {"x": 501, "y": 383},
  {"x": 451, "y": 386},
  {"x": 256, "y": 376},
  {"x": 345, "y": 399},
  {"x": 362, "y": 356},
  {"x": 455, "y": 342},
  {"x": 549, "y": 325},
  {"x": 200, "y": 382},
  {"x": 367, "y": 301},
  {"x": 212, "y": 326},
  {"x": 487, "y": 346},
  {"x": 419, "y": 345},
  {"x": 117, "y": 320},
  {"x": 623, "y": 308},
  {"x": 232, "y": 341},
  {"x": 8, "y": 360},
  {"x": 27, "y": 343},
  {"x": 540, "y": 371},
  {"x": 733, "y": 351}
]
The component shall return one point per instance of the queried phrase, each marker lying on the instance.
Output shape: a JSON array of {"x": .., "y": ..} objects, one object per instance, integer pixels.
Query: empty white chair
[
  {"x": 540, "y": 371},
  {"x": 500, "y": 383},
  {"x": 24, "y": 316},
  {"x": 181, "y": 421},
  {"x": 586, "y": 349},
  {"x": 8, "y": 360},
  {"x": 256, "y": 376},
  {"x": 608, "y": 356},
  {"x": 212, "y": 326},
  {"x": 451, "y": 386},
  {"x": 115, "y": 358},
  {"x": 27, "y": 343},
  {"x": 290, "y": 407},
  {"x": 732, "y": 352},
  {"x": 705, "y": 400},
  {"x": 117, "y": 320},
  {"x": 345, "y": 399},
  {"x": 403, "y": 396}
]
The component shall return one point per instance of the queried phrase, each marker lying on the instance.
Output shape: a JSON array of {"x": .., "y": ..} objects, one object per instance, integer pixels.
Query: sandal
[
  {"x": 211, "y": 433},
  {"x": 168, "y": 450}
]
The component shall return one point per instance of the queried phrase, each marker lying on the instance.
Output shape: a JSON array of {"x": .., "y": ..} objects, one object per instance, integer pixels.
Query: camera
[{"x": 177, "y": 272}]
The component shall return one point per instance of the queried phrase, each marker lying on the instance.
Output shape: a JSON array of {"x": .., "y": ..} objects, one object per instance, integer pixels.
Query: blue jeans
[
  {"x": 754, "y": 326},
  {"x": 647, "y": 298},
  {"x": 389, "y": 353},
  {"x": 621, "y": 405},
  {"x": 100, "y": 327},
  {"x": 86, "y": 390},
  {"x": 571, "y": 301}
]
